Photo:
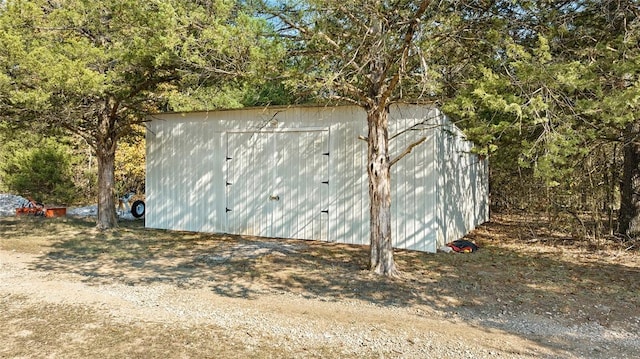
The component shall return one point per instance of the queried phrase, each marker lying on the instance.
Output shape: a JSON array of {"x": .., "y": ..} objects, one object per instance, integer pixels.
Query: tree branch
[
  {"x": 406, "y": 45},
  {"x": 424, "y": 122},
  {"x": 406, "y": 151}
]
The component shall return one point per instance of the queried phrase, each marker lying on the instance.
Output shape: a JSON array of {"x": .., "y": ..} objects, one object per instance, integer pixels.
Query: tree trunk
[
  {"x": 106, "y": 143},
  {"x": 629, "y": 217},
  {"x": 379, "y": 171},
  {"x": 106, "y": 196}
]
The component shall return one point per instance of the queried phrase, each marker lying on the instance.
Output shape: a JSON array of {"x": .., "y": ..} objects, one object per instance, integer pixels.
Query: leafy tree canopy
[
  {"x": 564, "y": 82},
  {"x": 96, "y": 68}
]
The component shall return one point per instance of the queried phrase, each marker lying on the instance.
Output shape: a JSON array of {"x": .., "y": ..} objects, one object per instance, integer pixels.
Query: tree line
[{"x": 548, "y": 90}]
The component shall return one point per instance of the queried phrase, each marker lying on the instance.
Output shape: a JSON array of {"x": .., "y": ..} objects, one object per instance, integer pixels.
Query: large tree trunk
[
  {"x": 106, "y": 196},
  {"x": 379, "y": 171},
  {"x": 106, "y": 153},
  {"x": 629, "y": 217}
]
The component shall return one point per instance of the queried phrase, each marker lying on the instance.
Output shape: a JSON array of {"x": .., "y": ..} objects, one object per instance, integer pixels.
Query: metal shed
[{"x": 300, "y": 172}]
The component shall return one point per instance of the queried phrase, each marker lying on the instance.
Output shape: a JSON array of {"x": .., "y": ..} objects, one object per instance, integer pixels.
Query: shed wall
[
  {"x": 463, "y": 186},
  {"x": 312, "y": 160}
]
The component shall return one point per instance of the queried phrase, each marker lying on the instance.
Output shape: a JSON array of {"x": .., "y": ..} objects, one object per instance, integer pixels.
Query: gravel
[
  {"x": 172, "y": 305},
  {"x": 87, "y": 211},
  {"x": 9, "y": 203},
  {"x": 248, "y": 322}
]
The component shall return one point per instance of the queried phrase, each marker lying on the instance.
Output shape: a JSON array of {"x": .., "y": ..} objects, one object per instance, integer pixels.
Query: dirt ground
[{"x": 69, "y": 291}]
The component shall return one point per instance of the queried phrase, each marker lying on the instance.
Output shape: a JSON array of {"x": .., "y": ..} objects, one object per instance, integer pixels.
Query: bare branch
[
  {"x": 415, "y": 127},
  {"x": 406, "y": 151}
]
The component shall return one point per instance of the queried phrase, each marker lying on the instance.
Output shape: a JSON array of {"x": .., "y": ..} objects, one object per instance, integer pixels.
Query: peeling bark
[
  {"x": 379, "y": 173},
  {"x": 106, "y": 154},
  {"x": 106, "y": 202}
]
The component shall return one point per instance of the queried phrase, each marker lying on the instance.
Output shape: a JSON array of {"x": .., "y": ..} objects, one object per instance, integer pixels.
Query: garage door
[{"x": 277, "y": 183}]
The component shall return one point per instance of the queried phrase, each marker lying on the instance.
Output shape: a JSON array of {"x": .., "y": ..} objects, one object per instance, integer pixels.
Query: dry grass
[{"x": 510, "y": 274}]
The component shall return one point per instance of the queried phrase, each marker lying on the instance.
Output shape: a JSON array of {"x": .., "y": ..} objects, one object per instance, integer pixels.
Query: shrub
[{"x": 42, "y": 171}]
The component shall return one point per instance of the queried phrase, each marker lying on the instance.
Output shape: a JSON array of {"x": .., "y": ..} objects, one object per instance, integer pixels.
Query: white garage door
[{"x": 277, "y": 183}]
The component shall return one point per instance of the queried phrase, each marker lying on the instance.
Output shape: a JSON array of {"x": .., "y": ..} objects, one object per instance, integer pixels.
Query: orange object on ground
[
  {"x": 25, "y": 211},
  {"x": 37, "y": 209},
  {"x": 31, "y": 208},
  {"x": 55, "y": 212}
]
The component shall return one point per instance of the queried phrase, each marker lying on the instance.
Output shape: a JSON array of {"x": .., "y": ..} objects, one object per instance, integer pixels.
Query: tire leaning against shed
[{"x": 137, "y": 209}]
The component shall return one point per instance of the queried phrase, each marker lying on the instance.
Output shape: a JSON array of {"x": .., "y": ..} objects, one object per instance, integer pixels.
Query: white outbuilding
[{"x": 300, "y": 172}]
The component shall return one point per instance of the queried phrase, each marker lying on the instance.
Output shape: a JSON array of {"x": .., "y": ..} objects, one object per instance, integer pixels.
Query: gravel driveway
[{"x": 78, "y": 293}]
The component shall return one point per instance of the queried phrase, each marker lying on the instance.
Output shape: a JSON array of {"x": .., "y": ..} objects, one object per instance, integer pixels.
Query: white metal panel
[
  {"x": 183, "y": 182},
  {"x": 413, "y": 179},
  {"x": 349, "y": 206},
  {"x": 277, "y": 183},
  {"x": 152, "y": 171},
  {"x": 463, "y": 186},
  {"x": 187, "y": 173},
  {"x": 249, "y": 176}
]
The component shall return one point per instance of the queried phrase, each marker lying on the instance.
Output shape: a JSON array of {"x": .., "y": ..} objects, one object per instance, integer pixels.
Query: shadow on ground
[{"x": 507, "y": 277}]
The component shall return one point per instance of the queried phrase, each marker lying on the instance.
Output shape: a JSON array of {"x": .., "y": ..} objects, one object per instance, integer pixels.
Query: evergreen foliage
[
  {"x": 96, "y": 69},
  {"x": 549, "y": 90},
  {"x": 553, "y": 103},
  {"x": 40, "y": 170}
]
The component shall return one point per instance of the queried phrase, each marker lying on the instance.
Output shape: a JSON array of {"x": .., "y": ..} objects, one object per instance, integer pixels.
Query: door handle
[{"x": 274, "y": 198}]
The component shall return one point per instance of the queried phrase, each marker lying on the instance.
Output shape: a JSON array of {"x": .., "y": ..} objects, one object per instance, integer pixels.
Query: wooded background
[{"x": 548, "y": 90}]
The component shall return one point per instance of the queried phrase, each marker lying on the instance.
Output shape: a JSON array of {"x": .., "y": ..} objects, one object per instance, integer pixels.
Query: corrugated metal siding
[
  {"x": 413, "y": 179},
  {"x": 292, "y": 153},
  {"x": 182, "y": 186},
  {"x": 349, "y": 205},
  {"x": 277, "y": 183},
  {"x": 463, "y": 186}
]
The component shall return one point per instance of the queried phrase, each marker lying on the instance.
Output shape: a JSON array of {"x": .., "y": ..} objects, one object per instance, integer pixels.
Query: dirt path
[{"x": 48, "y": 314}]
